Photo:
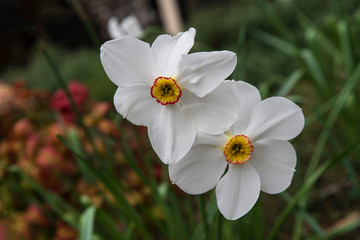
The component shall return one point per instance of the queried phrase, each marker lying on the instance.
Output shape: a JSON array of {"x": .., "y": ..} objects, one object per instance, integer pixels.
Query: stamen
[
  {"x": 238, "y": 149},
  {"x": 165, "y": 90}
]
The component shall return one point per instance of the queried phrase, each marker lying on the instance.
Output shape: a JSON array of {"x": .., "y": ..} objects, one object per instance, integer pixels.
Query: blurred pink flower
[
  {"x": 31, "y": 144},
  {"x": 61, "y": 103},
  {"x": 97, "y": 112},
  {"x": 22, "y": 128},
  {"x": 34, "y": 215},
  {"x": 101, "y": 108},
  {"x": 49, "y": 157}
]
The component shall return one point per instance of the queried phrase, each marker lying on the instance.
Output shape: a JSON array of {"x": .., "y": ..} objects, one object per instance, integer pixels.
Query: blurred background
[{"x": 74, "y": 169}]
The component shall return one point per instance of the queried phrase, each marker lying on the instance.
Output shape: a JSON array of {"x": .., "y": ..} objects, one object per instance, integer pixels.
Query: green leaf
[
  {"x": 277, "y": 42},
  {"x": 107, "y": 224},
  {"x": 338, "y": 105},
  {"x": 314, "y": 69},
  {"x": 275, "y": 20},
  {"x": 86, "y": 223},
  {"x": 76, "y": 145},
  {"x": 290, "y": 82},
  {"x": 343, "y": 32},
  {"x": 241, "y": 53}
]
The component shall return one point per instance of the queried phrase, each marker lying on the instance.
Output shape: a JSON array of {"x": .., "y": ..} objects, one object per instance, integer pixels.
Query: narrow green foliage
[
  {"x": 315, "y": 70},
  {"x": 64, "y": 210},
  {"x": 290, "y": 82},
  {"x": 88, "y": 26},
  {"x": 336, "y": 7},
  {"x": 277, "y": 42},
  {"x": 309, "y": 182},
  {"x": 241, "y": 54},
  {"x": 276, "y": 21},
  {"x": 338, "y": 105},
  {"x": 86, "y": 223},
  {"x": 313, "y": 223},
  {"x": 77, "y": 146},
  {"x": 343, "y": 32},
  {"x": 114, "y": 188},
  {"x": 203, "y": 217},
  {"x": 104, "y": 222}
]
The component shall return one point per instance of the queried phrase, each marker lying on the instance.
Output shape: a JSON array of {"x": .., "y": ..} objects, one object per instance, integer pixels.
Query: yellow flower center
[
  {"x": 165, "y": 90},
  {"x": 238, "y": 149}
]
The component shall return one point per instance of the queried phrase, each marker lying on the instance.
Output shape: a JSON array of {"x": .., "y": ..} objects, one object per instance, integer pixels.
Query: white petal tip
[{"x": 192, "y": 30}]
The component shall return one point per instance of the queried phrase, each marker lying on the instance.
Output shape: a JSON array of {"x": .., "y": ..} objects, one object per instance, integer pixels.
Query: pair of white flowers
[{"x": 212, "y": 132}]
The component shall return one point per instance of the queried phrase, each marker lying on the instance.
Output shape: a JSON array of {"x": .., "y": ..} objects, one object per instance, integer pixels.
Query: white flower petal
[
  {"x": 205, "y": 138},
  {"x": 274, "y": 160},
  {"x": 114, "y": 29},
  {"x": 168, "y": 50},
  {"x": 200, "y": 169},
  {"x": 132, "y": 26},
  {"x": 202, "y": 72},
  {"x": 128, "y": 61},
  {"x": 136, "y": 104},
  {"x": 248, "y": 97},
  {"x": 171, "y": 134},
  {"x": 275, "y": 117},
  {"x": 215, "y": 112},
  {"x": 238, "y": 191}
]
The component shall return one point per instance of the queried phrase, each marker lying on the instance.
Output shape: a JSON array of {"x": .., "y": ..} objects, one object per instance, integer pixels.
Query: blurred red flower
[{"x": 61, "y": 103}]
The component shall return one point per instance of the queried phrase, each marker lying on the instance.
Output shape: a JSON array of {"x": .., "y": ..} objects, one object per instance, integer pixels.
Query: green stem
[
  {"x": 275, "y": 20},
  {"x": 240, "y": 69},
  {"x": 63, "y": 84},
  {"x": 336, "y": 8},
  {"x": 259, "y": 218},
  {"x": 79, "y": 9},
  {"x": 203, "y": 216},
  {"x": 220, "y": 223},
  {"x": 60, "y": 79}
]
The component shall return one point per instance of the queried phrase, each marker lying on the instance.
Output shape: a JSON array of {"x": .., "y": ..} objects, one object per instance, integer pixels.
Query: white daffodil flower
[
  {"x": 252, "y": 155},
  {"x": 171, "y": 92},
  {"x": 130, "y": 25}
]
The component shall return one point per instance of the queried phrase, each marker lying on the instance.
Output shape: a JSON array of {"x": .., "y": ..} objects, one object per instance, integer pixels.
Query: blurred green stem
[
  {"x": 79, "y": 9},
  {"x": 203, "y": 215},
  {"x": 219, "y": 233},
  {"x": 275, "y": 20},
  {"x": 343, "y": 32},
  {"x": 60, "y": 79},
  {"x": 335, "y": 4},
  {"x": 240, "y": 70},
  {"x": 63, "y": 84}
]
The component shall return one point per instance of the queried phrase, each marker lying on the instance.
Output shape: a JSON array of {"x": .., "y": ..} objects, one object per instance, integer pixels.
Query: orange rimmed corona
[
  {"x": 165, "y": 90},
  {"x": 238, "y": 149}
]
